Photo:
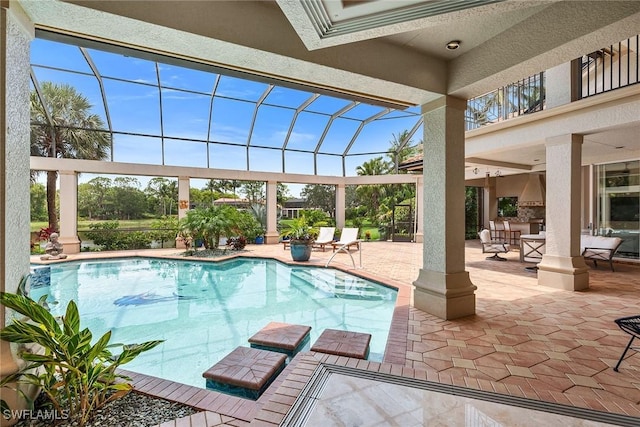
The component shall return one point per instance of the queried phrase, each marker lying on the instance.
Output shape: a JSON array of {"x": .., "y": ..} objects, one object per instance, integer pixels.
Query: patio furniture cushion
[
  {"x": 492, "y": 246},
  {"x": 599, "y": 248},
  {"x": 348, "y": 237}
]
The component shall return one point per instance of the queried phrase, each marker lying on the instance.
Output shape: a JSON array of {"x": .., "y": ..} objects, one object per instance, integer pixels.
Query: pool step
[{"x": 338, "y": 284}]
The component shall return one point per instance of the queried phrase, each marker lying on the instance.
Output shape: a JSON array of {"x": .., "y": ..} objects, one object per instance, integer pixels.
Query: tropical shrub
[
  {"x": 248, "y": 225},
  {"x": 76, "y": 376},
  {"x": 209, "y": 224},
  {"x": 237, "y": 243},
  {"x": 165, "y": 229},
  {"x": 109, "y": 237},
  {"x": 299, "y": 230},
  {"x": 317, "y": 217}
]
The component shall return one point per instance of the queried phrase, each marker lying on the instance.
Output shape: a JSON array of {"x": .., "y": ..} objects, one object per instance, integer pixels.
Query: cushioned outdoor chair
[
  {"x": 492, "y": 246},
  {"x": 348, "y": 237},
  {"x": 325, "y": 236}
]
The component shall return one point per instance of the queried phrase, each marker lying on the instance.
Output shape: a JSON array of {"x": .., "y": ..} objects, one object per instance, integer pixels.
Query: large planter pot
[
  {"x": 301, "y": 251},
  {"x": 259, "y": 240}
]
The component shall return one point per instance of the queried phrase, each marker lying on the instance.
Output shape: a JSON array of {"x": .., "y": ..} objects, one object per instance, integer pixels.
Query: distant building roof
[
  {"x": 412, "y": 163},
  {"x": 294, "y": 203}
]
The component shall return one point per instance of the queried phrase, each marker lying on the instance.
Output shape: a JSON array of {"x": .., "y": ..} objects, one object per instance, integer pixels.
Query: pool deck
[{"x": 525, "y": 340}]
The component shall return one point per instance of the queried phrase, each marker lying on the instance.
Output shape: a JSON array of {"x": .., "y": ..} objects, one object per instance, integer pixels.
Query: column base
[
  {"x": 271, "y": 238},
  {"x": 448, "y": 296},
  {"x": 70, "y": 244},
  {"x": 9, "y": 393},
  {"x": 566, "y": 273},
  {"x": 418, "y": 238}
]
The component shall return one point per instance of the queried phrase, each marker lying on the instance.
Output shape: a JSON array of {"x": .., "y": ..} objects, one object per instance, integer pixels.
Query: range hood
[{"x": 533, "y": 193}]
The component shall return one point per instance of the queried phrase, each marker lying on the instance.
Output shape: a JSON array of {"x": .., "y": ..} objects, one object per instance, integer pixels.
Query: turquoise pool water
[{"x": 203, "y": 310}]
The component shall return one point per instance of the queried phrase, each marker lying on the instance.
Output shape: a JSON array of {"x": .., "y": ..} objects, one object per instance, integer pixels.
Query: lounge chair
[
  {"x": 492, "y": 246},
  {"x": 325, "y": 236},
  {"x": 348, "y": 237}
]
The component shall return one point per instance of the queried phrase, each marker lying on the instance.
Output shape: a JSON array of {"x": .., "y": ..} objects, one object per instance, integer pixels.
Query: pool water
[{"x": 203, "y": 310}]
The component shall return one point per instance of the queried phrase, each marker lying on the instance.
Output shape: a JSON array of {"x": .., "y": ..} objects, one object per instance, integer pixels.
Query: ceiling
[{"x": 384, "y": 51}]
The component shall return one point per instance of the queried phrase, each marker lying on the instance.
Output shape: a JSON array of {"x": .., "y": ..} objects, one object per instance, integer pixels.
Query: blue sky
[{"x": 146, "y": 104}]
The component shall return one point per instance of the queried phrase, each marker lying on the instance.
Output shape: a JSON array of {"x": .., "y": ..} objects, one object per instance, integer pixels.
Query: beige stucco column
[
  {"x": 184, "y": 199},
  {"x": 184, "y": 204},
  {"x": 489, "y": 202},
  {"x": 419, "y": 237},
  {"x": 562, "y": 266},
  {"x": 443, "y": 287},
  {"x": 17, "y": 33},
  {"x": 340, "y": 205},
  {"x": 272, "y": 235},
  {"x": 69, "y": 212}
]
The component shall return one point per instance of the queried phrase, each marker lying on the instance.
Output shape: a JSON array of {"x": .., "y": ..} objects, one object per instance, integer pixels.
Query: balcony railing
[
  {"x": 522, "y": 97},
  {"x": 609, "y": 68}
]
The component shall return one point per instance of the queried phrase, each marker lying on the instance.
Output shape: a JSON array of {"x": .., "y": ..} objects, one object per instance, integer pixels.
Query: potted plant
[{"x": 301, "y": 238}]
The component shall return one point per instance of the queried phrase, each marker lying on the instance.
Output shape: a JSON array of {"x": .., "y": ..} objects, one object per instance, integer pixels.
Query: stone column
[
  {"x": 69, "y": 212},
  {"x": 184, "y": 204},
  {"x": 443, "y": 287},
  {"x": 490, "y": 202},
  {"x": 340, "y": 205},
  {"x": 562, "y": 266},
  {"x": 419, "y": 237},
  {"x": 16, "y": 34},
  {"x": 184, "y": 199},
  {"x": 272, "y": 235}
]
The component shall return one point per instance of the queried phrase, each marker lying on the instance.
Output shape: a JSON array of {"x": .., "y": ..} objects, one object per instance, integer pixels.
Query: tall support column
[
  {"x": 272, "y": 235},
  {"x": 184, "y": 199},
  {"x": 16, "y": 34},
  {"x": 340, "y": 205},
  {"x": 69, "y": 212},
  {"x": 490, "y": 202},
  {"x": 562, "y": 266},
  {"x": 443, "y": 287},
  {"x": 184, "y": 204},
  {"x": 419, "y": 237}
]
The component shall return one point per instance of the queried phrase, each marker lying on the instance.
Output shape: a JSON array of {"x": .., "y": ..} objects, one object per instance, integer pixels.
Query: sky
[{"x": 165, "y": 114}]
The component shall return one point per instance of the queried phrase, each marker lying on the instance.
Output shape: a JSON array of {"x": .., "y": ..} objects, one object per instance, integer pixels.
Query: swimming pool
[{"x": 203, "y": 310}]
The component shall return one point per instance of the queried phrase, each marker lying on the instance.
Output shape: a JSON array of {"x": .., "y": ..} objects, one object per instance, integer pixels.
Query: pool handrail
[{"x": 345, "y": 248}]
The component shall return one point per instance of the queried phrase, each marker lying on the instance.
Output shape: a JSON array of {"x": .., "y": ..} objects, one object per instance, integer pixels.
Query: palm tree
[
  {"x": 371, "y": 195},
  {"x": 401, "y": 149},
  {"x": 64, "y": 127}
]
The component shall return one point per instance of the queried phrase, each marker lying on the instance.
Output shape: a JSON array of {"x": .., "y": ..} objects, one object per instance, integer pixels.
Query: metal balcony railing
[
  {"x": 522, "y": 97},
  {"x": 609, "y": 68}
]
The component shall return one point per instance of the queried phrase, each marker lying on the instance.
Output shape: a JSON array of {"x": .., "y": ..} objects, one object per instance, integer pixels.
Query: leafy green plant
[
  {"x": 110, "y": 237},
  {"x": 76, "y": 376},
  {"x": 209, "y": 224},
  {"x": 298, "y": 230},
  {"x": 165, "y": 229}
]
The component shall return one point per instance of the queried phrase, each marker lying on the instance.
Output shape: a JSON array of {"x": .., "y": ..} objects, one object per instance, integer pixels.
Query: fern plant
[{"x": 77, "y": 376}]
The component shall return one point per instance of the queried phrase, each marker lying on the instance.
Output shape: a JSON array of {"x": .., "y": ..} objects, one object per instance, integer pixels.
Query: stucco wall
[{"x": 15, "y": 221}]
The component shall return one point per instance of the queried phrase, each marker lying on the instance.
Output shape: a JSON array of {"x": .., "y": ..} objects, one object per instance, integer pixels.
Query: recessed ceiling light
[{"x": 453, "y": 44}]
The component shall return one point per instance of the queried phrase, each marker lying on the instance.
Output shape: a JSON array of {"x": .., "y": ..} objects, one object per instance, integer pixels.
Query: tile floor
[{"x": 524, "y": 340}]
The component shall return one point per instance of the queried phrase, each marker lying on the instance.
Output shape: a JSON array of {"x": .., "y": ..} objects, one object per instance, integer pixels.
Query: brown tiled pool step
[
  {"x": 245, "y": 372},
  {"x": 343, "y": 343},
  {"x": 283, "y": 337}
]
